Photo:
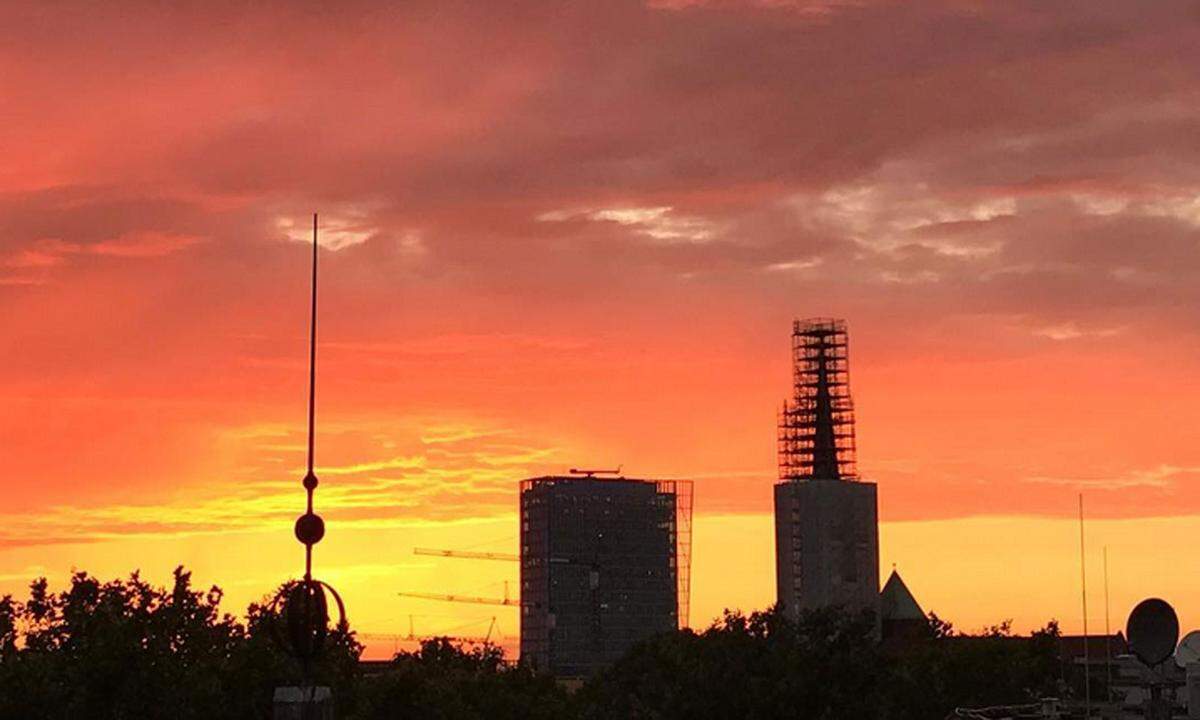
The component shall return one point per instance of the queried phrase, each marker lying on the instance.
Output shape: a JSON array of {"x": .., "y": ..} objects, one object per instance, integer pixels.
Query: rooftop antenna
[
  {"x": 1188, "y": 651},
  {"x": 1153, "y": 631},
  {"x": 1107, "y": 636},
  {"x": 310, "y": 528},
  {"x": 1087, "y": 684},
  {"x": 303, "y": 604}
]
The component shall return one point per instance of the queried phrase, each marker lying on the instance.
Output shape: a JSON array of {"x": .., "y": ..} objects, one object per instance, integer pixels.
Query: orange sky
[{"x": 578, "y": 238}]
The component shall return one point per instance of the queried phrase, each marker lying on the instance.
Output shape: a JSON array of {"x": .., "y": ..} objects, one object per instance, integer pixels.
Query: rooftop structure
[
  {"x": 816, "y": 425},
  {"x": 896, "y": 601},
  {"x": 900, "y": 616},
  {"x": 826, "y": 520},
  {"x": 605, "y": 563}
]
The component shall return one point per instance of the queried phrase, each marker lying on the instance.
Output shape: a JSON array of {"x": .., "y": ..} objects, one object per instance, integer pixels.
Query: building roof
[
  {"x": 1099, "y": 647},
  {"x": 896, "y": 602}
]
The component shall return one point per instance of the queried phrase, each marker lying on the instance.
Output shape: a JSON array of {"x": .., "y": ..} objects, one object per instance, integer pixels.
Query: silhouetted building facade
[
  {"x": 826, "y": 518},
  {"x": 605, "y": 563}
]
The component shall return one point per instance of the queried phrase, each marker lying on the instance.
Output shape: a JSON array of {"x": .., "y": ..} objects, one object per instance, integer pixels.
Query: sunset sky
[{"x": 575, "y": 234}]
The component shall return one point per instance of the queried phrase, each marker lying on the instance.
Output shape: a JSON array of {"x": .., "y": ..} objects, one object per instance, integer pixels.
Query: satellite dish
[
  {"x": 1188, "y": 651},
  {"x": 1153, "y": 629}
]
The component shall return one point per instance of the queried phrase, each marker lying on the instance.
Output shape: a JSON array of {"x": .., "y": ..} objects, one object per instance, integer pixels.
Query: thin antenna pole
[
  {"x": 312, "y": 359},
  {"x": 1087, "y": 684},
  {"x": 1107, "y": 636},
  {"x": 310, "y": 480}
]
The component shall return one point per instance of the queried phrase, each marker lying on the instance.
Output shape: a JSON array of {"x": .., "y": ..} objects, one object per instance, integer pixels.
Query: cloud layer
[{"x": 586, "y": 230}]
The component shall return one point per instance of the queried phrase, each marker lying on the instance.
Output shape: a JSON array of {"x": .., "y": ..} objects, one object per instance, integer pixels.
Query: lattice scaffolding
[
  {"x": 683, "y": 492},
  {"x": 816, "y": 426}
]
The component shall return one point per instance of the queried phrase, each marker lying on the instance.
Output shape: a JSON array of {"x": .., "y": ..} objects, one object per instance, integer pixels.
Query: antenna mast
[
  {"x": 310, "y": 478},
  {"x": 312, "y": 354},
  {"x": 310, "y": 528},
  {"x": 1087, "y": 678},
  {"x": 308, "y": 596},
  {"x": 1107, "y": 636},
  {"x": 302, "y": 605}
]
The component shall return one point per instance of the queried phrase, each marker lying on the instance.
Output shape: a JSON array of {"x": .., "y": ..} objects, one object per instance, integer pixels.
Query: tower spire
[
  {"x": 310, "y": 528},
  {"x": 303, "y": 605},
  {"x": 816, "y": 425},
  {"x": 312, "y": 358}
]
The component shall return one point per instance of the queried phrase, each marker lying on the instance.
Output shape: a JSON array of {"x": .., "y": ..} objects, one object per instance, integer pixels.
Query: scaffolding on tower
[
  {"x": 816, "y": 426},
  {"x": 682, "y": 492}
]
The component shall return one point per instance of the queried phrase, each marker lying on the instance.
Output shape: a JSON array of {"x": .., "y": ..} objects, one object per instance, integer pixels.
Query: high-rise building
[
  {"x": 605, "y": 563},
  {"x": 826, "y": 518}
]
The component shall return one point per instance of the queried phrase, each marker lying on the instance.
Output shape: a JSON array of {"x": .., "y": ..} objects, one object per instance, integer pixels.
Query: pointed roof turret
[{"x": 896, "y": 602}]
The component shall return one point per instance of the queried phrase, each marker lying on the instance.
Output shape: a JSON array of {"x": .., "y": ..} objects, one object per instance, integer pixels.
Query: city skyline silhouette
[{"x": 579, "y": 239}]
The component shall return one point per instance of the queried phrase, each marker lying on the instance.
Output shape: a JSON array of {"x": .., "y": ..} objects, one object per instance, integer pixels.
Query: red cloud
[{"x": 596, "y": 222}]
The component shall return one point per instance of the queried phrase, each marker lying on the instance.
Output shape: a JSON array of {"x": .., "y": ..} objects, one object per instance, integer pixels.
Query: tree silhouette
[
  {"x": 446, "y": 680},
  {"x": 757, "y": 666},
  {"x": 127, "y": 649},
  {"x": 827, "y": 665}
]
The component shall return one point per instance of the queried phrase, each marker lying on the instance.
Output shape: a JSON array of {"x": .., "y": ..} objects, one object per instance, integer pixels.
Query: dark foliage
[
  {"x": 447, "y": 682},
  {"x": 756, "y": 666},
  {"x": 949, "y": 670},
  {"x": 126, "y": 649},
  {"x": 827, "y": 666}
]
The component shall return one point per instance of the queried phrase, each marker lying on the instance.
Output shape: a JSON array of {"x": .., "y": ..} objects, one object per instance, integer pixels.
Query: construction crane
[
  {"x": 593, "y": 576},
  {"x": 594, "y": 473},
  {"x": 412, "y": 636},
  {"x": 505, "y": 557},
  {"x": 466, "y": 554},
  {"x": 492, "y": 627},
  {"x": 506, "y": 600}
]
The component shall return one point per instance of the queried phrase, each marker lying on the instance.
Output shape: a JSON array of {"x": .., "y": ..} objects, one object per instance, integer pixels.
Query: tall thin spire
[
  {"x": 312, "y": 358},
  {"x": 824, "y": 450},
  {"x": 310, "y": 528},
  {"x": 816, "y": 425},
  {"x": 305, "y": 609}
]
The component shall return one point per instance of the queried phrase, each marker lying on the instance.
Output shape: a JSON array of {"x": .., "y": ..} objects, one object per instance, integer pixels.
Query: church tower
[{"x": 826, "y": 517}]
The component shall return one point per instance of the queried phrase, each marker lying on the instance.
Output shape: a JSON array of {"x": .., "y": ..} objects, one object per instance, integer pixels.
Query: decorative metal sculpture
[{"x": 302, "y": 604}]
